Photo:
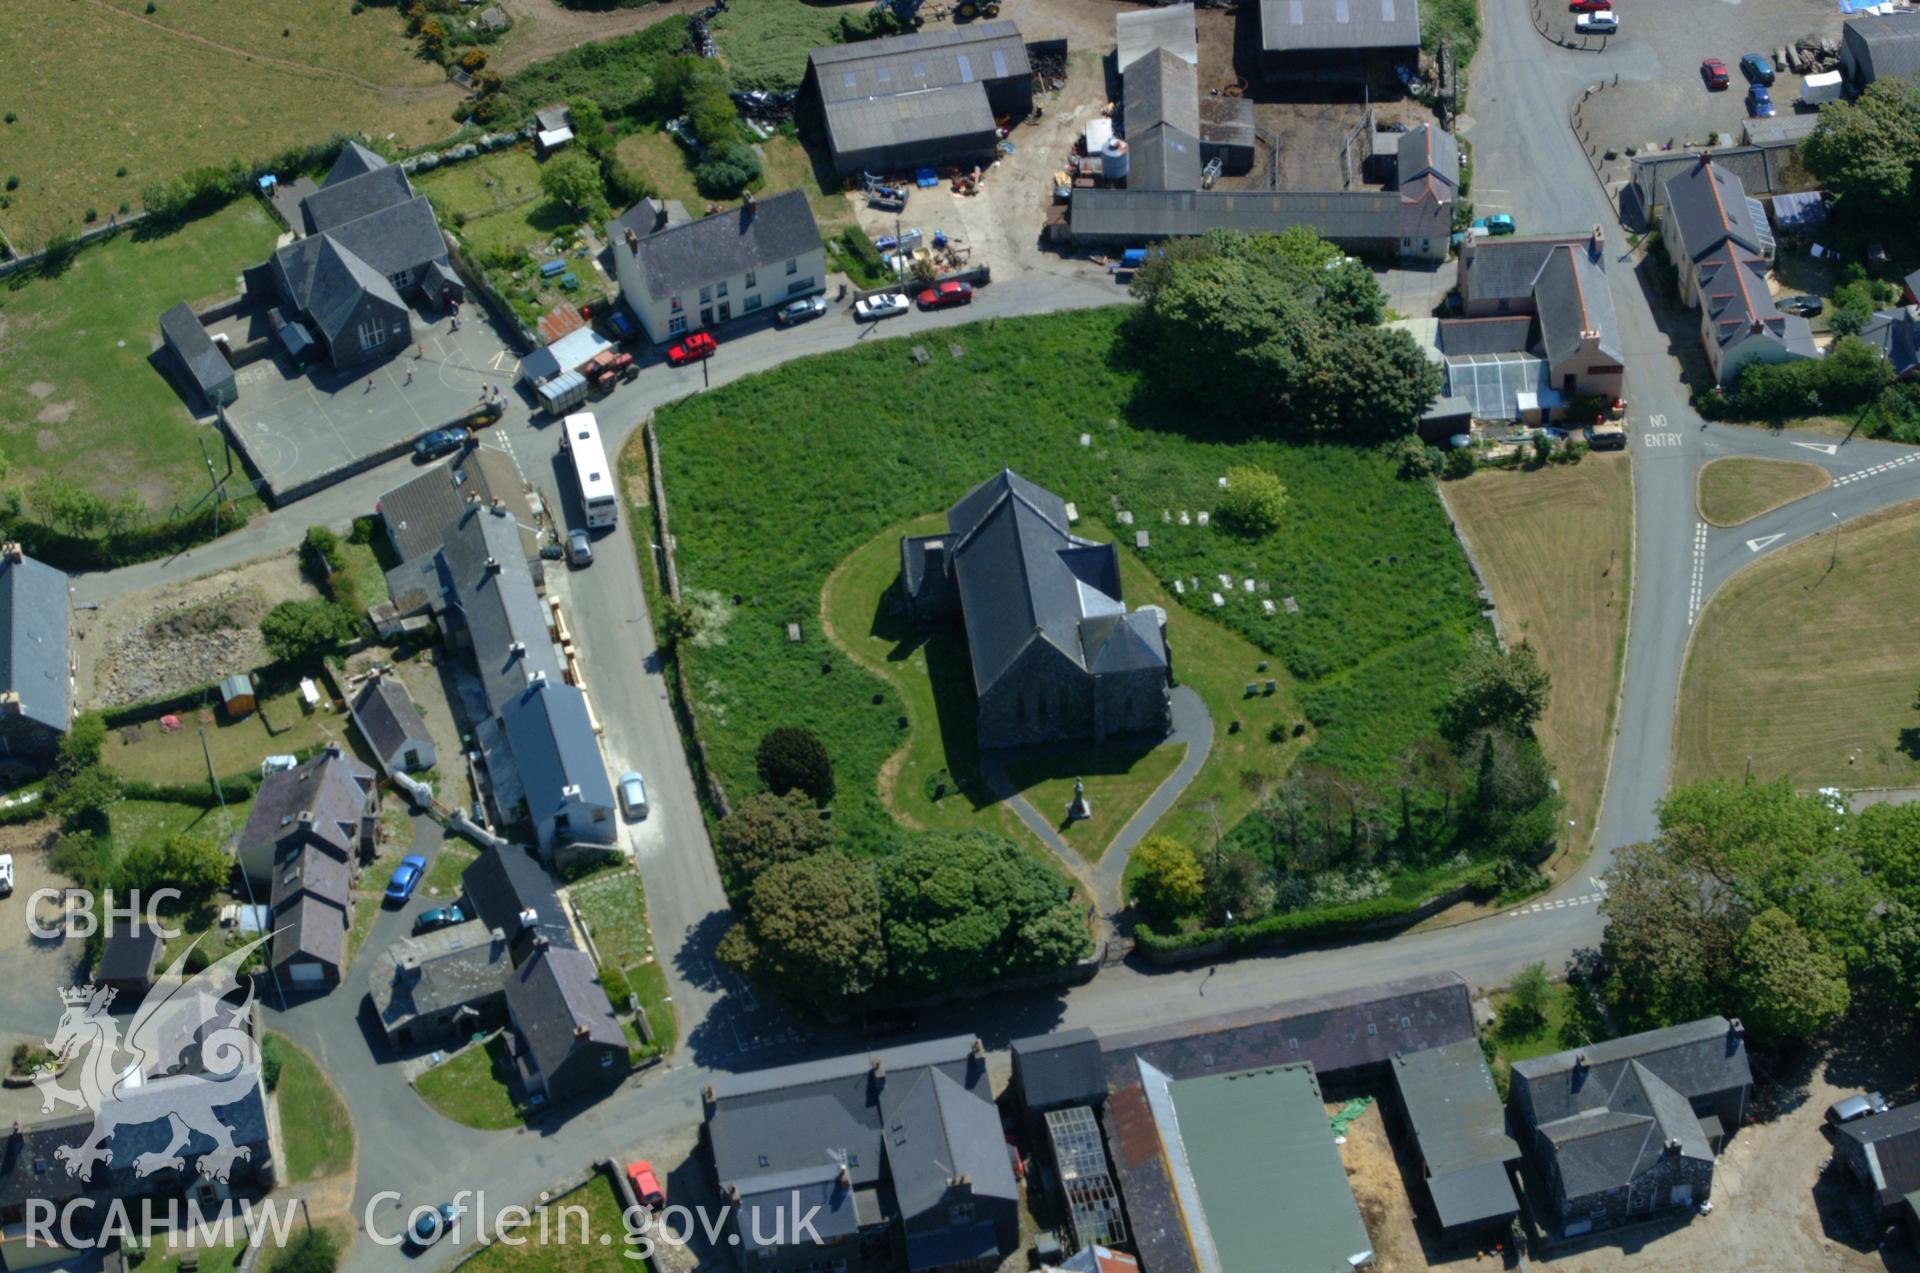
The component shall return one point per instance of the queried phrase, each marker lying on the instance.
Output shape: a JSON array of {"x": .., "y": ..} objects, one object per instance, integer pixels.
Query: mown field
[
  {"x": 96, "y": 86},
  {"x": 844, "y": 446},
  {"x": 1810, "y": 672},
  {"x": 764, "y": 42},
  {"x": 79, "y": 399}
]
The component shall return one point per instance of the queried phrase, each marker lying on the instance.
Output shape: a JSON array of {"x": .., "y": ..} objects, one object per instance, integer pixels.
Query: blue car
[
  {"x": 1759, "y": 103},
  {"x": 1756, "y": 68},
  {"x": 405, "y": 877}
]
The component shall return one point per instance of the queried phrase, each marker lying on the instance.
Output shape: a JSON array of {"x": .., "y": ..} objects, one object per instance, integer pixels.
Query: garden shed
[{"x": 236, "y": 695}]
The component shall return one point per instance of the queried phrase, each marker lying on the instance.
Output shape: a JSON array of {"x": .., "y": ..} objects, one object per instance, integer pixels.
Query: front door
[
  {"x": 1683, "y": 1195},
  {"x": 726, "y": 310},
  {"x": 706, "y": 315}
]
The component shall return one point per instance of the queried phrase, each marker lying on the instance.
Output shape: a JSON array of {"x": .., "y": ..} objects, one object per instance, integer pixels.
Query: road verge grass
[{"x": 1737, "y": 489}]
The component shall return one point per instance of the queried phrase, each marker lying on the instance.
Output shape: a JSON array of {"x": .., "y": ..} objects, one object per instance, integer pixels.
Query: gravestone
[
  {"x": 1140, "y": 540},
  {"x": 1293, "y": 607}
]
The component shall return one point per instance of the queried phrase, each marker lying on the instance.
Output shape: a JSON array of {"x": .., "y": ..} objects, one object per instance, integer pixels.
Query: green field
[
  {"x": 79, "y": 399},
  {"x": 317, "y": 1132},
  {"x": 101, "y": 85},
  {"x": 1803, "y": 672},
  {"x": 846, "y": 445},
  {"x": 764, "y": 42}
]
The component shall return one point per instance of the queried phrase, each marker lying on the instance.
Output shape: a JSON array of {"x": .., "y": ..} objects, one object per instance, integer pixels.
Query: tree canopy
[
  {"x": 1167, "y": 882},
  {"x": 1497, "y": 689},
  {"x": 1867, "y": 152},
  {"x": 575, "y": 180},
  {"x": 815, "y": 929},
  {"x": 307, "y": 630},
  {"x": 765, "y": 830},
  {"x": 792, "y": 758},
  {"x": 1254, "y": 503}
]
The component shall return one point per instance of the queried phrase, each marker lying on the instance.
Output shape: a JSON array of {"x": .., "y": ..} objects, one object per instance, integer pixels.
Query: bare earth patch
[
  {"x": 53, "y": 413},
  {"x": 40, "y": 389}
]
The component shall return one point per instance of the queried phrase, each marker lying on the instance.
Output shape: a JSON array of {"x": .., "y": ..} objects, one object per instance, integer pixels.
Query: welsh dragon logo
[{"x": 188, "y": 1028}]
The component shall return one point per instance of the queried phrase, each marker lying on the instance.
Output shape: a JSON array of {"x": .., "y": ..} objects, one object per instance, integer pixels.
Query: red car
[
  {"x": 1714, "y": 72},
  {"x": 1590, "y": 6},
  {"x": 946, "y": 294},
  {"x": 692, "y": 349},
  {"x": 646, "y": 1185}
]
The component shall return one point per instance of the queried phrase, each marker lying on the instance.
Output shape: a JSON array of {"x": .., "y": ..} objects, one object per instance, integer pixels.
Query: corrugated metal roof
[
  {"x": 1171, "y": 27},
  {"x": 1303, "y": 26},
  {"x": 972, "y": 54},
  {"x": 1161, "y": 89},
  {"x": 1164, "y": 158},
  {"x": 1161, "y": 214},
  {"x": 956, "y": 111},
  {"x": 1884, "y": 45}
]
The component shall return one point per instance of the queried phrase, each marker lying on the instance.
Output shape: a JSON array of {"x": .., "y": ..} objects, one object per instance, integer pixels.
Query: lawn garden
[
  {"x": 316, "y": 1131},
  {"x": 1369, "y": 602},
  {"x": 559, "y": 1241},
  {"x": 475, "y": 1086},
  {"x": 613, "y": 906},
  {"x": 81, "y": 402},
  {"x": 1738, "y": 489}
]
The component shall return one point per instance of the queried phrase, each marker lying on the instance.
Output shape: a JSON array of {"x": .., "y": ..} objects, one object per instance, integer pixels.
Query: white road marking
[
  {"x": 1825, "y": 448},
  {"x": 1755, "y": 545},
  {"x": 1661, "y": 439},
  {"x": 1656, "y": 422},
  {"x": 1864, "y": 474},
  {"x": 1538, "y": 908},
  {"x": 1697, "y": 588}
]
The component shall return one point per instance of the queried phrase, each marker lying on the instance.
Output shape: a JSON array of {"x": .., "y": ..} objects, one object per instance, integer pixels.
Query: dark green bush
[
  {"x": 724, "y": 174},
  {"x": 794, "y": 759}
]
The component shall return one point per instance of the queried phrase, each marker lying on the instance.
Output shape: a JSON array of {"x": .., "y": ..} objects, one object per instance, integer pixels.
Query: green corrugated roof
[{"x": 1268, "y": 1173}]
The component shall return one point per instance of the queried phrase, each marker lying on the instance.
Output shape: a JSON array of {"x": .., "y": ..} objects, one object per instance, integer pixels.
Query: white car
[
  {"x": 633, "y": 797},
  {"x": 1599, "y": 22},
  {"x": 874, "y": 308},
  {"x": 6, "y": 875}
]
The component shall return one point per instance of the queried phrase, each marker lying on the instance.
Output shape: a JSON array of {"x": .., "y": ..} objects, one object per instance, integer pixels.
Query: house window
[
  {"x": 1372, "y": 1030},
  {"x": 799, "y": 285},
  {"x": 606, "y": 1060},
  {"x": 960, "y": 1213},
  {"x": 373, "y": 335},
  {"x": 674, "y": 304},
  {"x": 750, "y": 304},
  {"x": 1293, "y": 1045},
  {"x": 1406, "y": 1023},
  {"x": 764, "y": 1162},
  {"x": 720, "y": 289},
  {"x": 753, "y": 280},
  {"x": 676, "y": 324},
  {"x": 1603, "y": 371},
  {"x": 561, "y": 823},
  {"x": 1505, "y": 304},
  {"x": 793, "y": 265},
  {"x": 402, "y": 279},
  {"x": 706, "y": 295}
]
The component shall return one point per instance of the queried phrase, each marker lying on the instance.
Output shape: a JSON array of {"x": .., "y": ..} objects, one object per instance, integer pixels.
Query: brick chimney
[
  {"x": 12, "y": 551},
  {"x": 633, "y": 241}
]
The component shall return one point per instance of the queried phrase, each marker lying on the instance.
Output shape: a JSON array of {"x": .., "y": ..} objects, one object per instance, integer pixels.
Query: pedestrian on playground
[
  {"x": 420, "y": 351},
  {"x": 369, "y": 388},
  {"x": 409, "y": 375}
]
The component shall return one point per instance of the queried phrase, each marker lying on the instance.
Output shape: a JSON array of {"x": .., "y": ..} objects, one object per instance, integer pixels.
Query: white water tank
[{"x": 1113, "y": 160}]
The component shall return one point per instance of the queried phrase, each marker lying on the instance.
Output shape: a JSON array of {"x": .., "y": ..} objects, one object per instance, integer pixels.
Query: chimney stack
[
  {"x": 979, "y": 1050},
  {"x": 879, "y": 1070},
  {"x": 528, "y": 918},
  {"x": 517, "y": 650},
  {"x": 493, "y": 565},
  {"x": 633, "y": 241},
  {"x": 10, "y": 703},
  {"x": 746, "y": 206},
  {"x": 12, "y": 551},
  {"x": 846, "y": 1175},
  {"x": 1758, "y": 327},
  {"x": 1596, "y": 246},
  {"x": 582, "y": 1031}
]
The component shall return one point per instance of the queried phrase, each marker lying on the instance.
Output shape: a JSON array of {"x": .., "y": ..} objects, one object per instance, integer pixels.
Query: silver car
[
  {"x": 579, "y": 548},
  {"x": 633, "y": 797},
  {"x": 874, "y": 308}
]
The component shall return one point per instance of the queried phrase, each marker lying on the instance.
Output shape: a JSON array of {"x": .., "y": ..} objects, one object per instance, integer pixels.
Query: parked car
[
  {"x": 1590, "y": 6},
  {"x": 623, "y": 327},
  {"x": 945, "y": 295},
  {"x": 1759, "y": 102},
  {"x": 633, "y": 797},
  {"x": 872, "y": 309},
  {"x": 439, "y": 917},
  {"x": 1805, "y": 306},
  {"x": 1848, "y": 1108},
  {"x": 1498, "y": 223},
  {"x": 1714, "y": 72},
  {"x": 432, "y": 1224},
  {"x": 6, "y": 875},
  {"x": 646, "y": 1185},
  {"x": 405, "y": 877},
  {"x": 801, "y": 311},
  {"x": 1599, "y": 22},
  {"x": 440, "y": 442},
  {"x": 579, "y": 547},
  {"x": 1756, "y": 68},
  {"x": 692, "y": 349},
  {"x": 1606, "y": 435}
]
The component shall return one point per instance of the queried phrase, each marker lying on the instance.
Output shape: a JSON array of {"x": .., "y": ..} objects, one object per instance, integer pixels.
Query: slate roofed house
[
  {"x": 1631, "y": 1126},
  {"x": 1427, "y": 172},
  {"x": 1739, "y": 322},
  {"x": 421, "y": 512},
  {"x": 1879, "y": 46},
  {"x": 328, "y": 801},
  {"x": 1340, "y": 41},
  {"x": 702, "y": 273},
  {"x": 557, "y": 754},
  {"x": 312, "y": 905},
  {"x": 900, "y": 1151},
  {"x": 127, "y": 961},
  {"x": 1495, "y": 276},
  {"x": 569, "y": 1044},
  {"x": 205, "y": 368},
  {"x": 1578, "y": 333},
  {"x": 921, "y": 100},
  {"x": 441, "y": 986},
  {"x": 391, "y": 725},
  {"x": 369, "y": 242},
  {"x": 1896, "y": 334},
  {"x": 1882, "y": 1152},
  {"x": 36, "y": 663},
  {"x": 1459, "y": 1127},
  {"x": 1056, "y": 655},
  {"x": 1707, "y": 208},
  {"x": 508, "y": 889},
  {"x": 1052, "y": 1071}
]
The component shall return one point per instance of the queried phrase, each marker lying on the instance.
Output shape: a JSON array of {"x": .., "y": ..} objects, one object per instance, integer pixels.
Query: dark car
[
  {"x": 1805, "y": 306},
  {"x": 440, "y": 442},
  {"x": 1756, "y": 68},
  {"x": 432, "y": 1224},
  {"x": 439, "y": 917},
  {"x": 948, "y": 293},
  {"x": 1760, "y": 102},
  {"x": 1714, "y": 72},
  {"x": 801, "y": 311},
  {"x": 405, "y": 877}
]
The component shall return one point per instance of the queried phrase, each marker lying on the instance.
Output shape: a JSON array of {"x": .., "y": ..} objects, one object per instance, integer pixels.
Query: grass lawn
[
  {"x": 1556, "y": 545},
  {"x": 316, "y": 1129},
  {"x": 136, "y": 822},
  {"x": 569, "y": 1239},
  {"x": 1567, "y": 1022},
  {"x": 786, "y": 164},
  {"x": 278, "y": 726},
  {"x": 236, "y": 88},
  {"x": 443, "y": 877},
  {"x": 475, "y": 1086},
  {"x": 1808, "y": 672},
  {"x": 78, "y": 398},
  {"x": 764, "y": 43},
  {"x": 495, "y": 204},
  {"x": 1739, "y": 489},
  {"x": 1385, "y": 599},
  {"x": 614, "y": 909},
  {"x": 934, "y": 780}
]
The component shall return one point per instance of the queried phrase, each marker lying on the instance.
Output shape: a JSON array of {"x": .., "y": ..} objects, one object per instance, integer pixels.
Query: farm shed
[{"x": 205, "y": 367}]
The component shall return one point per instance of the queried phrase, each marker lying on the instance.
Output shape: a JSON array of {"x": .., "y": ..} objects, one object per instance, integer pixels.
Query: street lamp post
[{"x": 1835, "y": 555}]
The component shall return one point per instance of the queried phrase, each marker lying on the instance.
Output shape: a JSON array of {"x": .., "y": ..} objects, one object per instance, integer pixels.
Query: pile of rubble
[{"x": 187, "y": 645}]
